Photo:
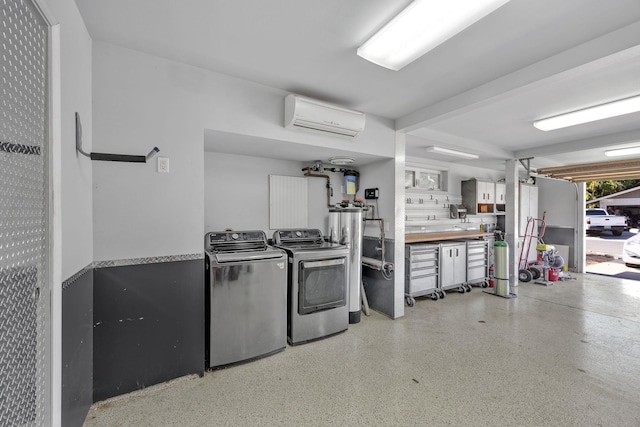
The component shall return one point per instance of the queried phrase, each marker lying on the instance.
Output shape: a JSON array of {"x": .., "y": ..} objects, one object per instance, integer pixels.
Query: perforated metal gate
[{"x": 24, "y": 208}]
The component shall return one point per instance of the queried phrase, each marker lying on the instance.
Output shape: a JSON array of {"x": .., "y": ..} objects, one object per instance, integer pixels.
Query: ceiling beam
[
  {"x": 596, "y": 142},
  {"x": 613, "y": 166},
  {"x": 601, "y": 171},
  {"x": 592, "y": 54},
  {"x": 603, "y": 178}
]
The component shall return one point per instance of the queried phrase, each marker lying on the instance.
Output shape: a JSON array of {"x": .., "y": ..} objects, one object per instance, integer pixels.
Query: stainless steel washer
[
  {"x": 246, "y": 297},
  {"x": 318, "y": 285}
]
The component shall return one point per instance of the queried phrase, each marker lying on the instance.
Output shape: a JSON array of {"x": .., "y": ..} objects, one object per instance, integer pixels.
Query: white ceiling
[{"x": 479, "y": 92}]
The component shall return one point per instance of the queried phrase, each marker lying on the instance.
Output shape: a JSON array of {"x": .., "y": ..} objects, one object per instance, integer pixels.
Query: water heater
[{"x": 345, "y": 228}]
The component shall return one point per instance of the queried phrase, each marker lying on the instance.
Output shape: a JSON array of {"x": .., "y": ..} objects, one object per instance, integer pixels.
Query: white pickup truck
[{"x": 598, "y": 220}]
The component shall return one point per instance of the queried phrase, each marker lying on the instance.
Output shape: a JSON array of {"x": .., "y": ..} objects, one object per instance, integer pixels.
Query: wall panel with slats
[{"x": 288, "y": 197}]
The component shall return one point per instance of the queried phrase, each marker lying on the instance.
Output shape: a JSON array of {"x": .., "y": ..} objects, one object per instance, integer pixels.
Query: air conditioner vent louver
[{"x": 317, "y": 116}]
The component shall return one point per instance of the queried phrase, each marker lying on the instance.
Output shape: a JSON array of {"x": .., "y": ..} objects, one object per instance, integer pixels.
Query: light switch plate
[{"x": 163, "y": 164}]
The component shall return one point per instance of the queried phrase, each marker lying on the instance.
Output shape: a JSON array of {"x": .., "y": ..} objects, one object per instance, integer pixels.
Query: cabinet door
[
  {"x": 528, "y": 205},
  {"x": 460, "y": 264},
  {"x": 447, "y": 259},
  {"x": 533, "y": 202},
  {"x": 486, "y": 192},
  {"x": 500, "y": 193},
  {"x": 490, "y": 189},
  {"x": 482, "y": 191}
]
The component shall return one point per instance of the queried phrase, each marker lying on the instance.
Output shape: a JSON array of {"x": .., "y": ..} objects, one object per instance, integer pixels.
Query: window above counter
[{"x": 425, "y": 179}]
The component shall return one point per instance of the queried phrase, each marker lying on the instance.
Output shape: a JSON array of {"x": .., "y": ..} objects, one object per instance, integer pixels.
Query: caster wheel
[
  {"x": 435, "y": 296},
  {"x": 443, "y": 294},
  {"x": 525, "y": 276},
  {"x": 410, "y": 301},
  {"x": 535, "y": 273},
  {"x": 462, "y": 289},
  {"x": 485, "y": 285},
  {"x": 468, "y": 288}
]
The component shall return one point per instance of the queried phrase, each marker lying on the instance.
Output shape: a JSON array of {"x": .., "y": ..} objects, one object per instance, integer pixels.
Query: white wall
[
  {"x": 380, "y": 175},
  {"x": 76, "y": 179},
  {"x": 236, "y": 191},
  {"x": 141, "y": 101},
  {"x": 562, "y": 202}
]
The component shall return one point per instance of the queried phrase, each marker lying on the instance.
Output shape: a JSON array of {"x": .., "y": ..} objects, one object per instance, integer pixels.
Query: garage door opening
[{"x": 615, "y": 188}]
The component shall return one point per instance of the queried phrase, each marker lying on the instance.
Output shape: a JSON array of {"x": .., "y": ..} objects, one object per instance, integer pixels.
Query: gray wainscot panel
[
  {"x": 77, "y": 347},
  {"x": 379, "y": 290},
  {"x": 562, "y": 236},
  {"x": 148, "y": 323}
]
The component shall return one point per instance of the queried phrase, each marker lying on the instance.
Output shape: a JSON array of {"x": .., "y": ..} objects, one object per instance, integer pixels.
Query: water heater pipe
[
  {"x": 385, "y": 268},
  {"x": 329, "y": 191}
]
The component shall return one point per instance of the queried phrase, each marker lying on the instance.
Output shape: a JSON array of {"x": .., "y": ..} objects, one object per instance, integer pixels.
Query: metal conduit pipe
[
  {"x": 329, "y": 190},
  {"x": 385, "y": 268}
]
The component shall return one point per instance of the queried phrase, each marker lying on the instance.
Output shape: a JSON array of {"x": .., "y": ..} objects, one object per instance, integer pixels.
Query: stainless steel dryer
[
  {"x": 246, "y": 297},
  {"x": 317, "y": 283}
]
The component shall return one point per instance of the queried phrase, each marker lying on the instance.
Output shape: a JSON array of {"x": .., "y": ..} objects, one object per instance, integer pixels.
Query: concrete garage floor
[
  {"x": 604, "y": 256},
  {"x": 564, "y": 355},
  {"x": 611, "y": 266}
]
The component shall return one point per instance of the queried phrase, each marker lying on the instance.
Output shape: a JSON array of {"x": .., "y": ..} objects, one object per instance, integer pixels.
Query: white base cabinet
[{"x": 453, "y": 266}]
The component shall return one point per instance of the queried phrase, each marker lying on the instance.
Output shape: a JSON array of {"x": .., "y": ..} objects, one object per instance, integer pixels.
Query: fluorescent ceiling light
[
  {"x": 423, "y": 25},
  {"x": 622, "y": 152},
  {"x": 591, "y": 114},
  {"x": 454, "y": 153}
]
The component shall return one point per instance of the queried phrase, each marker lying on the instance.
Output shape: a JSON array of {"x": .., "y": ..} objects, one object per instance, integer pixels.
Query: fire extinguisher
[{"x": 491, "y": 284}]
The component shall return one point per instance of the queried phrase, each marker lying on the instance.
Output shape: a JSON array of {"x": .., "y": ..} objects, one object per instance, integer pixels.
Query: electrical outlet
[{"x": 163, "y": 164}]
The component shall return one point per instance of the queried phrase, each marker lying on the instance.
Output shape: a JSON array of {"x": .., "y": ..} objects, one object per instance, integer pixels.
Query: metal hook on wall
[{"x": 106, "y": 156}]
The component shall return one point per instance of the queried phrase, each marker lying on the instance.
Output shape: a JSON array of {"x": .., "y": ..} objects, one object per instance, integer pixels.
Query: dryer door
[{"x": 322, "y": 284}]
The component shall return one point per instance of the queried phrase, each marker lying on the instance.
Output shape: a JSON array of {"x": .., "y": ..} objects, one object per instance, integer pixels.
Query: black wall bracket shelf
[{"x": 109, "y": 157}]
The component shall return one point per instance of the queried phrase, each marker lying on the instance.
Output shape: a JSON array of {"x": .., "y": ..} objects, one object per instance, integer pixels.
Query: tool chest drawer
[{"x": 421, "y": 268}]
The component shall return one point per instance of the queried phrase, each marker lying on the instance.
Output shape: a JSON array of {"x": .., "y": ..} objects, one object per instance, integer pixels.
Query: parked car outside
[
  {"x": 631, "y": 250},
  {"x": 599, "y": 220}
]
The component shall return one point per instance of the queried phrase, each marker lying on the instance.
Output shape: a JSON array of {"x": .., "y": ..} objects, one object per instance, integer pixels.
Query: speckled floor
[{"x": 564, "y": 355}]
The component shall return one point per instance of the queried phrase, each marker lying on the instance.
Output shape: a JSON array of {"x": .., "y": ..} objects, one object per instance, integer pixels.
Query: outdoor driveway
[{"x": 604, "y": 256}]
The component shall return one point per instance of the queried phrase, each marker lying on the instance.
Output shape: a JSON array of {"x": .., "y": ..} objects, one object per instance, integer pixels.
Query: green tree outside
[{"x": 597, "y": 189}]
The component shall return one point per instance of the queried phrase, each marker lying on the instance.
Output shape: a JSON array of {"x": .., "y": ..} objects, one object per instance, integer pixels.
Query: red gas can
[{"x": 554, "y": 274}]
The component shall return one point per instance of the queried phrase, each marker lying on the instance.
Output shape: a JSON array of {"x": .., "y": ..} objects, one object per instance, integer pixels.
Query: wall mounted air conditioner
[{"x": 310, "y": 114}]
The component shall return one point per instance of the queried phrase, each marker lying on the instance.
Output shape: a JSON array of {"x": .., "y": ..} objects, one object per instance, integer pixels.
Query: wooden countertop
[{"x": 447, "y": 235}]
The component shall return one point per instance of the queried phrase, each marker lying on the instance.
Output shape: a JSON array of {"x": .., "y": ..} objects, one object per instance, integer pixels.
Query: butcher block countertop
[{"x": 445, "y": 235}]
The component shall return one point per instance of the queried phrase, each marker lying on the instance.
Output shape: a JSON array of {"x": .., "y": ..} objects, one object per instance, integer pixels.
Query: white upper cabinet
[
  {"x": 478, "y": 196},
  {"x": 500, "y": 193}
]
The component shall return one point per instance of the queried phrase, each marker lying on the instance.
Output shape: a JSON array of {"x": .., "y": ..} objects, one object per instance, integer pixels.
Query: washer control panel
[{"x": 234, "y": 240}]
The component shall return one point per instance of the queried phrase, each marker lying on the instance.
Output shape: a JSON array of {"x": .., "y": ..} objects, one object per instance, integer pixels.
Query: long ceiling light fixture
[
  {"x": 422, "y": 26},
  {"x": 591, "y": 114},
  {"x": 622, "y": 152},
  {"x": 449, "y": 152}
]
